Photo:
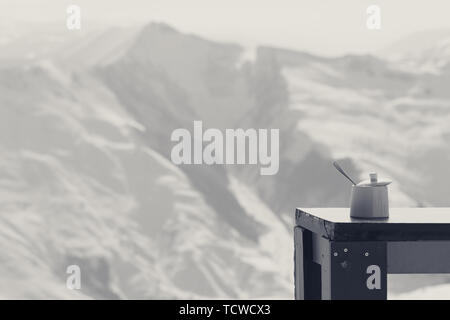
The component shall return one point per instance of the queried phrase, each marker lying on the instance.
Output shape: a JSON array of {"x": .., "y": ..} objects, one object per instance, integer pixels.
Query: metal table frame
[{"x": 337, "y": 257}]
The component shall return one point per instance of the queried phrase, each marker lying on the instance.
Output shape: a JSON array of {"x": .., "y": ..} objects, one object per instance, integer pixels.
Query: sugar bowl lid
[{"x": 374, "y": 181}]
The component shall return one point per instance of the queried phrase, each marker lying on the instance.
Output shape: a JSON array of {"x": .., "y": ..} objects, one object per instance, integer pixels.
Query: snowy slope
[
  {"x": 80, "y": 185},
  {"x": 386, "y": 120},
  {"x": 421, "y": 52}
]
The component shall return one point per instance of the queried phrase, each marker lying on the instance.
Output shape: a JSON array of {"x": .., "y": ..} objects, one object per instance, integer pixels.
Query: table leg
[{"x": 306, "y": 272}]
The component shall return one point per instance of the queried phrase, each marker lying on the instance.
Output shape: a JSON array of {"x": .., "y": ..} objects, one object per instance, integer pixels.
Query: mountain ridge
[{"x": 88, "y": 180}]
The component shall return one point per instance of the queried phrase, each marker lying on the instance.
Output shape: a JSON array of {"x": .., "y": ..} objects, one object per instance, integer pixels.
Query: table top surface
[
  {"x": 403, "y": 224},
  {"x": 396, "y": 215}
]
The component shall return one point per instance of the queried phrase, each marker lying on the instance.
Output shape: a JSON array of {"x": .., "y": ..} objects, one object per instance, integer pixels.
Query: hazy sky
[{"x": 322, "y": 26}]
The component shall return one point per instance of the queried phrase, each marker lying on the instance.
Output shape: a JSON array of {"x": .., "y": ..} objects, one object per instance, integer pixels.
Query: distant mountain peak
[{"x": 161, "y": 27}]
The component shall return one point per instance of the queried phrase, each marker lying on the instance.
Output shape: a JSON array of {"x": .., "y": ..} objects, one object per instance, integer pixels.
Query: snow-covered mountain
[{"x": 86, "y": 176}]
